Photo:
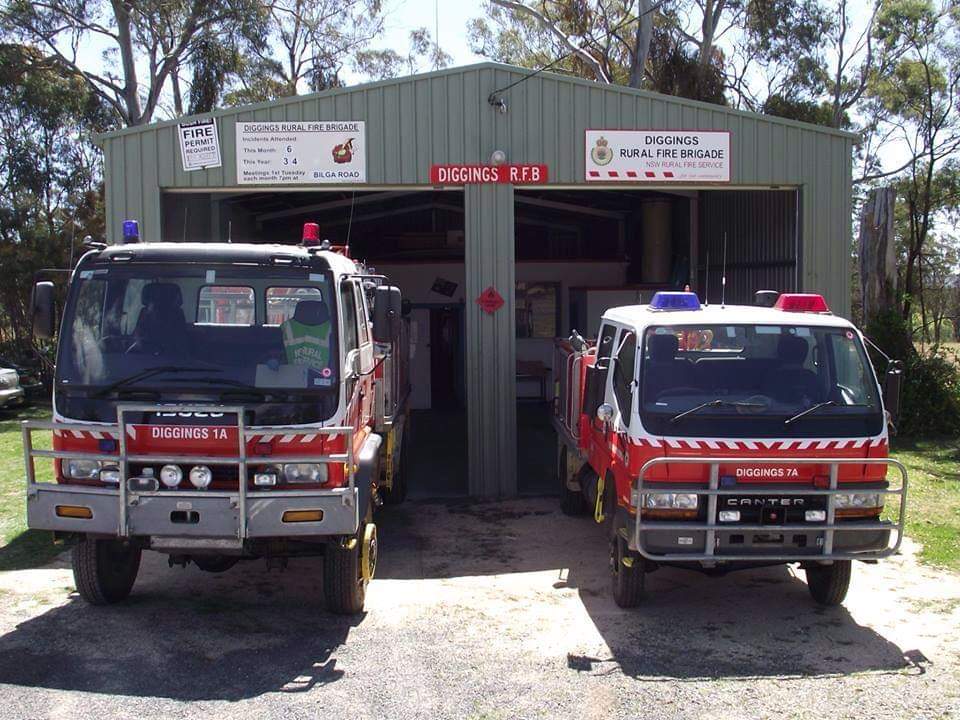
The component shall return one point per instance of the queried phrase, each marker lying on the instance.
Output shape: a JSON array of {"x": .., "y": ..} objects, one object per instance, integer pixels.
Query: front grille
[{"x": 769, "y": 510}]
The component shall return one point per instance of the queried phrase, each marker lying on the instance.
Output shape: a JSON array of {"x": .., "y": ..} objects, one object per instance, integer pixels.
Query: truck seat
[
  {"x": 662, "y": 370},
  {"x": 161, "y": 323},
  {"x": 790, "y": 382}
]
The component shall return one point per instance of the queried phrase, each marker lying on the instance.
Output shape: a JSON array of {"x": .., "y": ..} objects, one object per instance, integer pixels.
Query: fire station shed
[{"x": 510, "y": 208}]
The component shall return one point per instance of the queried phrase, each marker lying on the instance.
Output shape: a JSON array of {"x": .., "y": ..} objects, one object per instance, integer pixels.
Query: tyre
[
  {"x": 398, "y": 492},
  {"x": 629, "y": 575},
  {"x": 828, "y": 584},
  {"x": 104, "y": 570},
  {"x": 571, "y": 501},
  {"x": 347, "y": 569},
  {"x": 215, "y": 563}
]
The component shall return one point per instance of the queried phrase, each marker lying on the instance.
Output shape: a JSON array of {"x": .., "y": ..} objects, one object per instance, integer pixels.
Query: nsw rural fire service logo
[
  {"x": 343, "y": 153},
  {"x": 601, "y": 154}
]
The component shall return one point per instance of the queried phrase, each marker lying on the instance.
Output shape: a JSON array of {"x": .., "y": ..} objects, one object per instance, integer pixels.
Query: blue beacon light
[
  {"x": 675, "y": 301},
  {"x": 131, "y": 231}
]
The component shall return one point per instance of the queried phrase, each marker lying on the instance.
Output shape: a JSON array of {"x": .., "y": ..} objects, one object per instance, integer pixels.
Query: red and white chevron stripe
[
  {"x": 755, "y": 445},
  {"x": 629, "y": 175}
]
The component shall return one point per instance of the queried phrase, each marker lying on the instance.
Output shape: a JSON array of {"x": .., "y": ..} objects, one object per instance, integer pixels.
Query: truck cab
[
  {"x": 726, "y": 437},
  {"x": 220, "y": 402}
]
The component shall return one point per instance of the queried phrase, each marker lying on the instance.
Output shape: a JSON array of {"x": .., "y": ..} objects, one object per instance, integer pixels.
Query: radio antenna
[
  {"x": 706, "y": 275},
  {"x": 723, "y": 277},
  {"x": 229, "y": 231}
]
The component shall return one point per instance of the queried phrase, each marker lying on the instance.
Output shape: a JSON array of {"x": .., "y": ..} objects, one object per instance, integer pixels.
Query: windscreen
[
  {"x": 170, "y": 333},
  {"x": 757, "y": 381}
]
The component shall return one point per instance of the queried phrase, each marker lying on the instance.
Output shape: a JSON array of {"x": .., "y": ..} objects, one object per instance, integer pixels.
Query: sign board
[
  {"x": 490, "y": 300},
  {"x": 526, "y": 174},
  {"x": 301, "y": 153},
  {"x": 657, "y": 156},
  {"x": 199, "y": 144}
]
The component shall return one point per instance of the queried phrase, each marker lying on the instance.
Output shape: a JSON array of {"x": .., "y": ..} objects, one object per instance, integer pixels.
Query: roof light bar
[
  {"x": 675, "y": 301},
  {"x": 802, "y": 302}
]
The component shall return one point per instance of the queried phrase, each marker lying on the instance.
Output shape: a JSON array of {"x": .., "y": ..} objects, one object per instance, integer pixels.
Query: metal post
[
  {"x": 28, "y": 456},
  {"x": 712, "y": 509},
  {"x": 242, "y": 475},
  {"x": 122, "y": 465},
  {"x": 831, "y": 509}
]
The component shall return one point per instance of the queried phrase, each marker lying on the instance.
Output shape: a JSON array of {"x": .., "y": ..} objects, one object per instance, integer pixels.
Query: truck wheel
[
  {"x": 104, "y": 570},
  {"x": 347, "y": 568},
  {"x": 215, "y": 563},
  {"x": 629, "y": 574},
  {"x": 828, "y": 584},
  {"x": 398, "y": 492},
  {"x": 571, "y": 501}
]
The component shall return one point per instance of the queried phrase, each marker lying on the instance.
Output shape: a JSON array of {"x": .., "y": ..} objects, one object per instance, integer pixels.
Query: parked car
[
  {"x": 11, "y": 394},
  {"x": 29, "y": 378}
]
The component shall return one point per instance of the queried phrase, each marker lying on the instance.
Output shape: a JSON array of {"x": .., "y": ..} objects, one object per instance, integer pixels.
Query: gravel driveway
[{"x": 497, "y": 610}]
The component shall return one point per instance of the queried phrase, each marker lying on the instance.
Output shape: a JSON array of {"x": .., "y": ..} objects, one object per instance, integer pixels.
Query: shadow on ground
[
  {"x": 188, "y": 635},
  {"x": 751, "y": 623}
]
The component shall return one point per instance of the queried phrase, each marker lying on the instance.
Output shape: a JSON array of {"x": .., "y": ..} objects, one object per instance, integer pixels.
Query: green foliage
[
  {"x": 930, "y": 397},
  {"x": 50, "y": 193}
]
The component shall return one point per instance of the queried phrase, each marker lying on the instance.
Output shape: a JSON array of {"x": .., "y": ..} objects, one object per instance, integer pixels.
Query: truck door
[
  {"x": 600, "y": 451},
  {"x": 621, "y": 395}
]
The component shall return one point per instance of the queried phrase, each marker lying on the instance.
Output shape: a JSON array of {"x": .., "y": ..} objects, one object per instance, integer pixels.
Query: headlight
[
  {"x": 81, "y": 469},
  {"x": 305, "y": 473},
  {"x": 671, "y": 501},
  {"x": 110, "y": 474},
  {"x": 201, "y": 476},
  {"x": 171, "y": 475},
  {"x": 857, "y": 500}
]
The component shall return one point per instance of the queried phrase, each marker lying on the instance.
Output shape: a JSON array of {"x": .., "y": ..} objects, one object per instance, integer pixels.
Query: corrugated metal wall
[
  {"x": 760, "y": 230},
  {"x": 444, "y": 117}
]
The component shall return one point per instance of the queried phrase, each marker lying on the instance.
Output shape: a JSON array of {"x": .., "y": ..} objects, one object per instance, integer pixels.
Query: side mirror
[
  {"x": 891, "y": 390},
  {"x": 352, "y": 364},
  {"x": 605, "y": 413},
  {"x": 594, "y": 385},
  {"x": 41, "y": 310},
  {"x": 387, "y": 307}
]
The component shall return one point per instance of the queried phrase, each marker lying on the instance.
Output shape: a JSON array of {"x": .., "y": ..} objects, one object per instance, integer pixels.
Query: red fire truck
[
  {"x": 724, "y": 437},
  {"x": 219, "y": 402}
]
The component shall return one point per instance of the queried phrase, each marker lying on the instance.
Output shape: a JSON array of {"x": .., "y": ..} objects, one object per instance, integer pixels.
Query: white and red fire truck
[
  {"x": 725, "y": 437},
  {"x": 219, "y": 402}
]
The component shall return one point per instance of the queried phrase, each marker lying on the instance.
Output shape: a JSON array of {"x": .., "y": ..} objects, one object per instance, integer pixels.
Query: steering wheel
[{"x": 847, "y": 394}]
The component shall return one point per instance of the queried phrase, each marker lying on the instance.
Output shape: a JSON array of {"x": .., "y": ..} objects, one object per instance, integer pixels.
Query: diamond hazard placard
[{"x": 490, "y": 300}]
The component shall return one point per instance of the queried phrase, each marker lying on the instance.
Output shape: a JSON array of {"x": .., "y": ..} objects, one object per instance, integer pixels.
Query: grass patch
[
  {"x": 933, "y": 498},
  {"x": 21, "y": 548}
]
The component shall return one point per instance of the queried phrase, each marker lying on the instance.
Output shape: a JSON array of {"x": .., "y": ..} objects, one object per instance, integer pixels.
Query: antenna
[
  {"x": 186, "y": 212},
  {"x": 706, "y": 275},
  {"x": 229, "y": 231},
  {"x": 723, "y": 277}
]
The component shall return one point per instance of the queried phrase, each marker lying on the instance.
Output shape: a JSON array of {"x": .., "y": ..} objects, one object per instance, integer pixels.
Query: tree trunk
[
  {"x": 131, "y": 88},
  {"x": 878, "y": 265},
  {"x": 642, "y": 49}
]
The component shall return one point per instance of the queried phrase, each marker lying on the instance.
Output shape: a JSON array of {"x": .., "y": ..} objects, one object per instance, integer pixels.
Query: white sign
[
  {"x": 657, "y": 156},
  {"x": 301, "y": 153},
  {"x": 199, "y": 145}
]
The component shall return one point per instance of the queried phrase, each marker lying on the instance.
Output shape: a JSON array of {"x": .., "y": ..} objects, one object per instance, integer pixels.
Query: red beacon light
[
  {"x": 802, "y": 302},
  {"x": 311, "y": 235}
]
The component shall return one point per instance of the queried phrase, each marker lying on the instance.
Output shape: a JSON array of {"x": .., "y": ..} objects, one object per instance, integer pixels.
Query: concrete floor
[{"x": 438, "y": 452}]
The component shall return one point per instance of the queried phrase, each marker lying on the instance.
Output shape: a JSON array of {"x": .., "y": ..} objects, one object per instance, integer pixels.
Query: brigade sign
[
  {"x": 526, "y": 174},
  {"x": 199, "y": 145},
  {"x": 657, "y": 156},
  {"x": 301, "y": 153}
]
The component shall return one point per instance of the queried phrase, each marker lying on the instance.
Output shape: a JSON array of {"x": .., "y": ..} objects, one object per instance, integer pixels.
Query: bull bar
[
  {"x": 239, "y": 513},
  {"x": 713, "y": 491}
]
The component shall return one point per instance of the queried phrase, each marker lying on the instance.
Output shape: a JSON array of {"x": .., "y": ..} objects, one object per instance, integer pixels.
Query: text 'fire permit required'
[{"x": 301, "y": 153}]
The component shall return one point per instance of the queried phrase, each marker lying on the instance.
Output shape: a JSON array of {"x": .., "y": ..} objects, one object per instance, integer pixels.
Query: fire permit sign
[
  {"x": 657, "y": 156},
  {"x": 199, "y": 144}
]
